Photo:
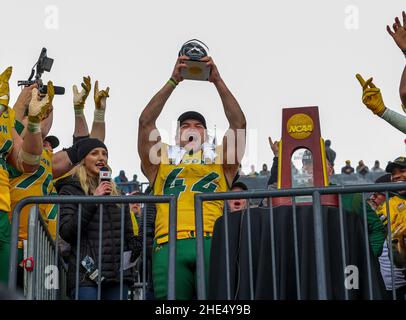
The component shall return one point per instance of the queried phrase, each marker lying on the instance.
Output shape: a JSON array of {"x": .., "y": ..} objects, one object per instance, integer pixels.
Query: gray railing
[
  {"x": 316, "y": 193},
  {"x": 101, "y": 200},
  {"x": 318, "y": 221},
  {"x": 43, "y": 251}
]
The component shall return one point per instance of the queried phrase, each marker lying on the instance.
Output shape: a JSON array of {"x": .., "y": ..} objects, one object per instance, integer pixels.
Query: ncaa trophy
[
  {"x": 301, "y": 130},
  {"x": 196, "y": 70}
]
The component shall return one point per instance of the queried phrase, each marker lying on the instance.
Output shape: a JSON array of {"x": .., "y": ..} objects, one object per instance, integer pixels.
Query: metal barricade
[
  {"x": 318, "y": 232},
  {"x": 47, "y": 267},
  {"x": 45, "y": 251}
]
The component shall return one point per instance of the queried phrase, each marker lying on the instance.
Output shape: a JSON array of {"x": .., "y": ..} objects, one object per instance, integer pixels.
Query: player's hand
[
  {"x": 274, "y": 146},
  {"x": 104, "y": 188},
  {"x": 79, "y": 98},
  {"x": 40, "y": 107},
  {"x": 371, "y": 96},
  {"x": 177, "y": 70},
  {"x": 100, "y": 97},
  {"x": 399, "y": 32},
  {"x": 214, "y": 73},
  {"x": 4, "y": 87}
]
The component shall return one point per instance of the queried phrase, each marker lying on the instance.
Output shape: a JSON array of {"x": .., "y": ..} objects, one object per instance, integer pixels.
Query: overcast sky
[{"x": 271, "y": 54}]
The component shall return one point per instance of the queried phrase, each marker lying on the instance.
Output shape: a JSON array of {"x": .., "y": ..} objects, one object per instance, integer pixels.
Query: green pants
[
  {"x": 185, "y": 268},
  {"x": 5, "y": 229}
]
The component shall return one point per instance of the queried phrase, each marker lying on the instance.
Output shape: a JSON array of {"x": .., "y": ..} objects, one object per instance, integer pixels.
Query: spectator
[
  {"x": 253, "y": 173},
  {"x": 376, "y": 167},
  {"x": 347, "y": 169},
  {"x": 362, "y": 169},
  {"x": 377, "y": 201},
  {"x": 396, "y": 204},
  {"x": 273, "y": 178},
  {"x": 135, "y": 184},
  {"x": 330, "y": 153},
  {"x": 121, "y": 181},
  {"x": 238, "y": 204},
  {"x": 264, "y": 171},
  {"x": 85, "y": 181}
]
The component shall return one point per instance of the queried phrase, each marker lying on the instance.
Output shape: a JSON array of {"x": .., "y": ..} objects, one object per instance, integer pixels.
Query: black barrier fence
[
  {"x": 318, "y": 221},
  {"x": 319, "y": 218},
  {"x": 42, "y": 240}
]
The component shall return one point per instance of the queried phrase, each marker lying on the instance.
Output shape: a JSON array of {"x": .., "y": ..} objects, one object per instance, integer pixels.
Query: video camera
[{"x": 43, "y": 64}]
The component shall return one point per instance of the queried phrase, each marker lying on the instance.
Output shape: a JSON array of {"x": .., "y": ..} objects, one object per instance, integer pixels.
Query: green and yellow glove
[
  {"x": 100, "y": 98},
  {"x": 79, "y": 98},
  {"x": 5, "y": 89},
  {"x": 39, "y": 109},
  {"x": 371, "y": 96}
]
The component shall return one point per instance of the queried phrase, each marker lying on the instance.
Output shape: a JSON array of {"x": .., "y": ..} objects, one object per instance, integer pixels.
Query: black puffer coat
[{"x": 111, "y": 238}]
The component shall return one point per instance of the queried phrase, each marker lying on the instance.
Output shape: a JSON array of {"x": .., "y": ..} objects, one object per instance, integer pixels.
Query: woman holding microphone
[{"x": 86, "y": 181}]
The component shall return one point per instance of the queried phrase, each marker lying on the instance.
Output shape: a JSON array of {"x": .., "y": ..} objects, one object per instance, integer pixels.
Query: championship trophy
[
  {"x": 301, "y": 131},
  {"x": 196, "y": 70}
]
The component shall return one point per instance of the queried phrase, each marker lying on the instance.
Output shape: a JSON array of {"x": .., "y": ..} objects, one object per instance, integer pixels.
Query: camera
[
  {"x": 92, "y": 271},
  {"x": 43, "y": 64}
]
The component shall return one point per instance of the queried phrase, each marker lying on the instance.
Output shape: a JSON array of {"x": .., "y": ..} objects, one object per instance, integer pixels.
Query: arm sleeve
[
  {"x": 274, "y": 172},
  {"x": 395, "y": 119}
]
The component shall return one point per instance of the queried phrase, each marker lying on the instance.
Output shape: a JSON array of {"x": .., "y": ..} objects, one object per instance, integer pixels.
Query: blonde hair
[{"x": 88, "y": 183}]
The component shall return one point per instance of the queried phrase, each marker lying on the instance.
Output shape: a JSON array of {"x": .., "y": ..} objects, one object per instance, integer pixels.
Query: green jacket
[{"x": 376, "y": 232}]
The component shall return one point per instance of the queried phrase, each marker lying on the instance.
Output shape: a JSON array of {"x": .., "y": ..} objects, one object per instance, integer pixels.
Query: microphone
[{"x": 105, "y": 174}]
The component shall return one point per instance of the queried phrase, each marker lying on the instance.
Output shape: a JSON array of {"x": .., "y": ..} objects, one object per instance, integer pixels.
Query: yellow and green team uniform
[
  {"x": 38, "y": 183},
  {"x": 184, "y": 180},
  {"x": 7, "y": 123},
  {"x": 397, "y": 206}
]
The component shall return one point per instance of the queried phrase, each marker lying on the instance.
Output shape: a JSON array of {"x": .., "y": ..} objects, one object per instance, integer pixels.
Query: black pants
[{"x": 400, "y": 293}]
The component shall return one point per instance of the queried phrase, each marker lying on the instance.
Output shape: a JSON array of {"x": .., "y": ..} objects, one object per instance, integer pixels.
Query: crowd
[{"x": 30, "y": 167}]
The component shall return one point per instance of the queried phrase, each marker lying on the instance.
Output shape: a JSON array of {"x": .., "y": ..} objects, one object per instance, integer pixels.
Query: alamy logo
[
  {"x": 352, "y": 277},
  {"x": 51, "y": 277}
]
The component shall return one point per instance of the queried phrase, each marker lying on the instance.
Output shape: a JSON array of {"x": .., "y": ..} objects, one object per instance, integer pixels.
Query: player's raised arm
[
  {"x": 148, "y": 134},
  {"x": 99, "y": 125},
  {"x": 26, "y": 154},
  {"x": 237, "y": 122},
  {"x": 79, "y": 98},
  {"x": 399, "y": 36}
]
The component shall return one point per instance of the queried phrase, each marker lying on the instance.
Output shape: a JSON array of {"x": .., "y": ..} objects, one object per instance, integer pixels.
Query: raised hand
[
  {"x": 371, "y": 96},
  {"x": 214, "y": 73},
  {"x": 4, "y": 87},
  {"x": 399, "y": 32},
  {"x": 100, "y": 97},
  {"x": 274, "y": 146},
  {"x": 79, "y": 98},
  {"x": 177, "y": 70},
  {"x": 40, "y": 107}
]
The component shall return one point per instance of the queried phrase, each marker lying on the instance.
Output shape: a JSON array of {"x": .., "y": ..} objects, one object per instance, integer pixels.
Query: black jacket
[{"x": 89, "y": 243}]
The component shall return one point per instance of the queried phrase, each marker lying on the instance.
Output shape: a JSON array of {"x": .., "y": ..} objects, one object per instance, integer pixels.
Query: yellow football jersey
[
  {"x": 134, "y": 223},
  {"x": 397, "y": 206},
  {"x": 24, "y": 185},
  {"x": 7, "y": 119},
  {"x": 184, "y": 180}
]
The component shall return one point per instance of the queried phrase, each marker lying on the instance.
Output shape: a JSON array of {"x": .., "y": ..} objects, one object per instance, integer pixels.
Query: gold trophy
[{"x": 196, "y": 70}]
